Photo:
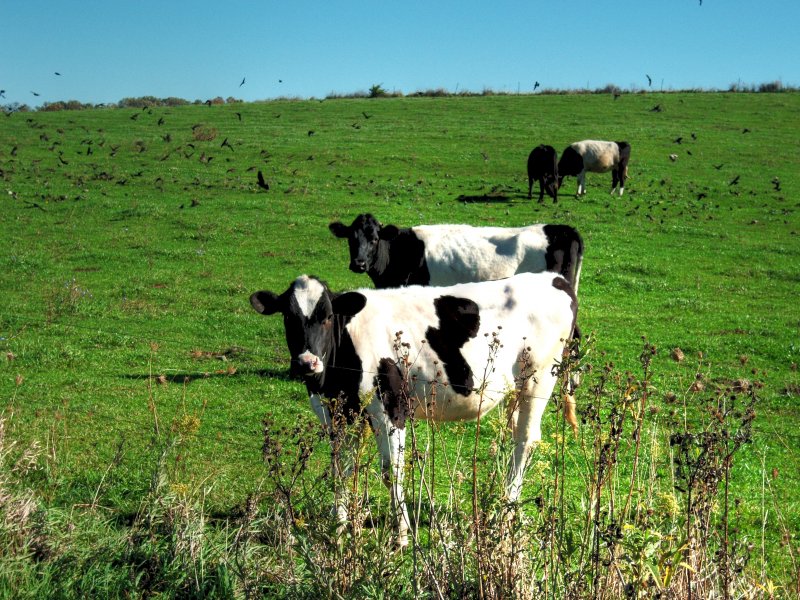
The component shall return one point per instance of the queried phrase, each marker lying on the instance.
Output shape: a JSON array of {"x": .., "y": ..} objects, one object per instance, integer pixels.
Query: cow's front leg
[
  {"x": 344, "y": 441},
  {"x": 581, "y": 183},
  {"x": 391, "y": 444}
]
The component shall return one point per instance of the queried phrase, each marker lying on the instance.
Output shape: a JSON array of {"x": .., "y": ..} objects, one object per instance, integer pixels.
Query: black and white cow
[
  {"x": 543, "y": 167},
  {"x": 346, "y": 346},
  {"x": 596, "y": 157},
  {"x": 441, "y": 255}
]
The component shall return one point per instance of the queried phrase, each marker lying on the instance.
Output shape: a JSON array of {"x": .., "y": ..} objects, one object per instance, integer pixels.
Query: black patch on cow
[
  {"x": 571, "y": 163},
  {"x": 400, "y": 261},
  {"x": 564, "y": 251},
  {"x": 565, "y": 287},
  {"x": 342, "y": 375},
  {"x": 459, "y": 321},
  {"x": 620, "y": 173},
  {"x": 393, "y": 389}
]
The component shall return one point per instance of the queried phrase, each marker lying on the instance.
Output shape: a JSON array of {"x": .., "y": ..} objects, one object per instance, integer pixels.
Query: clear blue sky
[{"x": 200, "y": 49}]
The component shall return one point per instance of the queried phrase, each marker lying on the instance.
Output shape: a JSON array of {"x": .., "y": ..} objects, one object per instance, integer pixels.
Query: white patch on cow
[
  {"x": 307, "y": 293},
  {"x": 312, "y": 362},
  {"x": 461, "y": 253}
]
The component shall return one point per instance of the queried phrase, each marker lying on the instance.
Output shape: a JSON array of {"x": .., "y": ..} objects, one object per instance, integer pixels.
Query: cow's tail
[
  {"x": 576, "y": 260},
  {"x": 569, "y": 411}
]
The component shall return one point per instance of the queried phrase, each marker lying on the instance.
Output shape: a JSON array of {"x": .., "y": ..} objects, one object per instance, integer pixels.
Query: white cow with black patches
[
  {"x": 448, "y": 254},
  {"x": 345, "y": 346}
]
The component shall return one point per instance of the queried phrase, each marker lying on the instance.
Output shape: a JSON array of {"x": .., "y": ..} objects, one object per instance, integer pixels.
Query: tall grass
[{"x": 637, "y": 505}]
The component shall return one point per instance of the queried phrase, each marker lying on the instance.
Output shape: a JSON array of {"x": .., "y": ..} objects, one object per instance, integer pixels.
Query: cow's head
[
  {"x": 551, "y": 184},
  {"x": 312, "y": 318},
  {"x": 363, "y": 237}
]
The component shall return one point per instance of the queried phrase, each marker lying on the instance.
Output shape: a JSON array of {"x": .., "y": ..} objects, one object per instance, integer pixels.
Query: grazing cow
[
  {"x": 442, "y": 255},
  {"x": 543, "y": 167},
  {"x": 466, "y": 347},
  {"x": 596, "y": 157}
]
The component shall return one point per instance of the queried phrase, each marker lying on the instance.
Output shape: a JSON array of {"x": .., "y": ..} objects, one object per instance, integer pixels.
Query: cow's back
[
  {"x": 598, "y": 156},
  {"x": 462, "y": 254},
  {"x": 526, "y": 311}
]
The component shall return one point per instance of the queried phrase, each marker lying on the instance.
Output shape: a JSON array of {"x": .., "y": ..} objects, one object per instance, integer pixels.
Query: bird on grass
[
  {"x": 734, "y": 181},
  {"x": 262, "y": 183}
]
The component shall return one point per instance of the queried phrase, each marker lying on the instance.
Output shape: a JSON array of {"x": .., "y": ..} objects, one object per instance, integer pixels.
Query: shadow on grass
[{"x": 184, "y": 377}]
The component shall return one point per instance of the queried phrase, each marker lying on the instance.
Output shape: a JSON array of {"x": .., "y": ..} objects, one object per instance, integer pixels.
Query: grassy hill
[{"x": 133, "y": 239}]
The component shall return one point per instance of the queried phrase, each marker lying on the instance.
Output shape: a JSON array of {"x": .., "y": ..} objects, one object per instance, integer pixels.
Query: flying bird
[
  {"x": 35, "y": 93},
  {"x": 57, "y": 73},
  {"x": 261, "y": 183},
  {"x": 2, "y": 93},
  {"x": 649, "y": 81},
  {"x": 241, "y": 84},
  {"x": 535, "y": 85}
]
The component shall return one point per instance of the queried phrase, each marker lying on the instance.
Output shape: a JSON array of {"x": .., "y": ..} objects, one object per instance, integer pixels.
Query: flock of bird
[{"x": 199, "y": 148}]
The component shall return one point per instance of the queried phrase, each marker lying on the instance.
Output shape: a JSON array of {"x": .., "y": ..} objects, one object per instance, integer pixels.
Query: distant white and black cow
[
  {"x": 442, "y": 255},
  {"x": 596, "y": 157},
  {"x": 346, "y": 346},
  {"x": 543, "y": 167}
]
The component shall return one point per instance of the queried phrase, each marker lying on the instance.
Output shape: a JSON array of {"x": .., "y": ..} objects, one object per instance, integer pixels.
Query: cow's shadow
[{"x": 496, "y": 196}]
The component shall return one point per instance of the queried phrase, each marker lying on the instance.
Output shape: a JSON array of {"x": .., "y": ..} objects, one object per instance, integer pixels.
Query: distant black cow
[
  {"x": 543, "y": 167},
  {"x": 441, "y": 255},
  {"x": 596, "y": 157}
]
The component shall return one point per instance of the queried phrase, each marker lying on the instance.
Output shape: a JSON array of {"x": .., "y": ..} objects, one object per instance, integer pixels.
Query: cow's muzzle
[
  {"x": 309, "y": 364},
  {"x": 358, "y": 266}
]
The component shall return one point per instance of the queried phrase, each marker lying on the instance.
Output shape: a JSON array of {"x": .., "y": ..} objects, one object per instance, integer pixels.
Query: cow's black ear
[
  {"x": 339, "y": 229},
  {"x": 266, "y": 303},
  {"x": 389, "y": 232},
  {"x": 348, "y": 304}
]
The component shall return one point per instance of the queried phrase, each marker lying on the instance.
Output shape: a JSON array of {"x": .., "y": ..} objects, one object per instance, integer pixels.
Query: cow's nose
[{"x": 358, "y": 265}]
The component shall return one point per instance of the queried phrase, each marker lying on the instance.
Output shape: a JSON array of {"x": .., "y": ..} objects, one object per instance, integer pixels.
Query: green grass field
[{"x": 133, "y": 238}]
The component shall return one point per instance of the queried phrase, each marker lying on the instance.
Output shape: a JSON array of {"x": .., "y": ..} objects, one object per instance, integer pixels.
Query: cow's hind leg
[{"x": 527, "y": 425}]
